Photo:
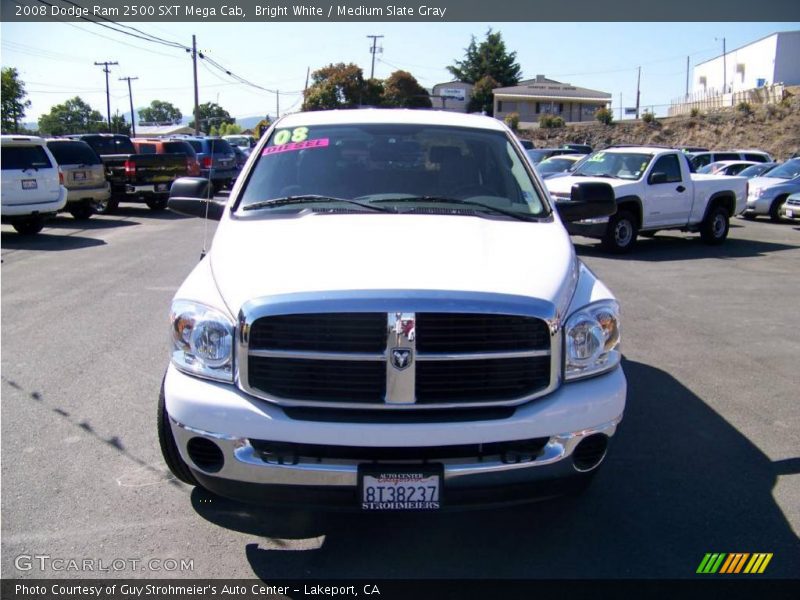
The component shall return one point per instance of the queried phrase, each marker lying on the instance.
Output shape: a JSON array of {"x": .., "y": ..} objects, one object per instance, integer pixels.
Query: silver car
[{"x": 83, "y": 175}]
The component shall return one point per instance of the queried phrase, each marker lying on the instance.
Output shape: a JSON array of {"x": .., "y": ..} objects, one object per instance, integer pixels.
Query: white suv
[{"x": 31, "y": 187}]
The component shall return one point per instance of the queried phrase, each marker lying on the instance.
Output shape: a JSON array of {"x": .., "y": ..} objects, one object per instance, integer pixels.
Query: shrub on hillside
[
  {"x": 744, "y": 108},
  {"x": 551, "y": 122},
  {"x": 648, "y": 117},
  {"x": 694, "y": 113},
  {"x": 512, "y": 120},
  {"x": 604, "y": 115}
]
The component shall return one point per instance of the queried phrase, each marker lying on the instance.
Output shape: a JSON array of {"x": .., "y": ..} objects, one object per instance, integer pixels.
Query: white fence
[{"x": 712, "y": 100}]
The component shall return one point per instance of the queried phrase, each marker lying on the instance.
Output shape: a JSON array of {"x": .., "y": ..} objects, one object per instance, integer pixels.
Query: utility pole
[
  {"x": 105, "y": 64},
  {"x": 638, "y": 81},
  {"x": 724, "y": 68},
  {"x": 130, "y": 95},
  {"x": 196, "y": 93},
  {"x": 620, "y": 106},
  {"x": 373, "y": 50},
  {"x": 308, "y": 72},
  {"x": 277, "y": 104},
  {"x": 687, "y": 79}
]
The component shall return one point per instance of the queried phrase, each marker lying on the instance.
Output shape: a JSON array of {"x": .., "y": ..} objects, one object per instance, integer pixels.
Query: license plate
[
  {"x": 162, "y": 187},
  {"x": 29, "y": 184},
  {"x": 392, "y": 487},
  {"x": 789, "y": 213},
  {"x": 79, "y": 175}
]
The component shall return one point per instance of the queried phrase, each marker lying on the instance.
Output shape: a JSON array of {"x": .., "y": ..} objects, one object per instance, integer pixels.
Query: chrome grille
[{"x": 397, "y": 359}]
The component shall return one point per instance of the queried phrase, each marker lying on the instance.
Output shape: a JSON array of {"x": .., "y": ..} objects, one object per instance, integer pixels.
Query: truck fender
[
  {"x": 634, "y": 204},
  {"x": 726, "y": 198}
]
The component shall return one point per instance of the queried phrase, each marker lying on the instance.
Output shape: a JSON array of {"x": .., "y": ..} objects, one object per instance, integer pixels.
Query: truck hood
[
  {"x": 559, "y": 187},
  {"x": 320, "y": 253}
]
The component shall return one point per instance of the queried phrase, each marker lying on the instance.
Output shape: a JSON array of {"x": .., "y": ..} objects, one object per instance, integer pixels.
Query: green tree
[
  {"x": 335, "y": 86},
  {"x": 229, "y": 129},
  {"x": 160, "y": 112},
  {"x": 14, "y": 102},
  {"x": 74, "y": 116},
  {"x": 489, "y": 58},
  {"x": 119, "y": 124},
  {"x": 482, "y": 99},
  {"x": 373, "y": 93},
  {"x": 402, "y": 89},
  {"x": 212, "y": 114}
]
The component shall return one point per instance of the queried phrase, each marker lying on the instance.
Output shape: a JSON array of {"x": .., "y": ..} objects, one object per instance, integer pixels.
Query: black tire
[
  {"x": 30, "y": 226},
  {"x": 169, "y": 449},
  {"x": 159, "y": 204},
  {"x": 106, "y": 207},
  {"x": 620, "y": 236},
  {"x": 775, "y": 209},
  {"x": 82, "y": 212},
  {"x": 715, "y": 227}
]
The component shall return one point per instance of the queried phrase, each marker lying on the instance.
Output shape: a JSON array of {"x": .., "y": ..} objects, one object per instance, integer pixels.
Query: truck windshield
[
  {"x": 619, "y": 165},
  {"x": 407, "y": 167}
]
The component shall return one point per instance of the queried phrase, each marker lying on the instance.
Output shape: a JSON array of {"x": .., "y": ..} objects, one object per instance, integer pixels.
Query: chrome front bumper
[{"x": 244, "y": 465}]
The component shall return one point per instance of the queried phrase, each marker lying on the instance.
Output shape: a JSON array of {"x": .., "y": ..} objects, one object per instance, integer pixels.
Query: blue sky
[{"x": 56, "y": 59}]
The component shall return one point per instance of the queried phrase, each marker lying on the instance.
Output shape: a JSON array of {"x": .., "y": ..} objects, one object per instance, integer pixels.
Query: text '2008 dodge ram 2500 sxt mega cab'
[
  {"x": 655, "y": 189},
  {"x": 391, "y": 317}
]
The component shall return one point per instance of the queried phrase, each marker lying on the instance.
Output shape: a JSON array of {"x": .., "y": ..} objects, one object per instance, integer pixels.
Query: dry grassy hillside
[{"x": 774, "y": 128}]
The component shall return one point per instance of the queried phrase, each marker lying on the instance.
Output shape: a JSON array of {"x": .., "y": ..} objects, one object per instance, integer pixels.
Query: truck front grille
[{"x": 351, "y": 360}]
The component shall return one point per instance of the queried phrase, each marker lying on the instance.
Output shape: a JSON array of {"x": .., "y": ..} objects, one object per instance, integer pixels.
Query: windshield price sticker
[
  {"x": 304, "y": 145},
  {"x": 400, "y": 489},
  {"x": 597, "y": 157}
]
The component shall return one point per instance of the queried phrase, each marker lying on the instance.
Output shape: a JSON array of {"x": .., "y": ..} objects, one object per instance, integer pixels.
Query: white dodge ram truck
[
  {"x": 391, "y": 317},
  {"x": 655, "y": 190}
]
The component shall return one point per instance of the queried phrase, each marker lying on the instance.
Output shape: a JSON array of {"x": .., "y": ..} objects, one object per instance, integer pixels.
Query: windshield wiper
[
  {"x": 446, "y": 200},
  {"x": 606, "y": 175},
  {"x": 312, "y": 199}
]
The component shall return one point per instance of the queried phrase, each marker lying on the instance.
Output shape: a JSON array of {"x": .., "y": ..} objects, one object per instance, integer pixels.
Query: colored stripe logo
[{"x": 734, "y": 563}]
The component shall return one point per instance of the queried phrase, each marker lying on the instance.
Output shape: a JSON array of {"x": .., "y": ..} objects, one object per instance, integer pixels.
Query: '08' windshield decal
[{"x": 320, "y": 143}]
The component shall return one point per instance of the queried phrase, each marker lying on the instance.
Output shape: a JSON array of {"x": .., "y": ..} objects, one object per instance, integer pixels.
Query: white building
[{"x": 770, "y": 60}]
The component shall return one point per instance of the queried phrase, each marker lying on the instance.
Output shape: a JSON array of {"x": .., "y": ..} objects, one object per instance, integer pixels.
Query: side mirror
[
  {"x": 657, "y": 177},
  {"x": 588, "y": 200},
  {"x": 193, "y": 197}
]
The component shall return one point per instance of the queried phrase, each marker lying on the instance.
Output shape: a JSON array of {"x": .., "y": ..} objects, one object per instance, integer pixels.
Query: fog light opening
[
  {"x": 590, "y": 452},
  {"x": 205, "y": 454}
]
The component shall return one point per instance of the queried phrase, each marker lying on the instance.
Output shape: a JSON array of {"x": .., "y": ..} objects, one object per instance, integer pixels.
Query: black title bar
[{"x": 276, "y": 11}]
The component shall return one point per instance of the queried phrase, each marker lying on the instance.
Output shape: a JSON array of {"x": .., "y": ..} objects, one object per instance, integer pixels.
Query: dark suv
[{"x": 217, "y": 160}]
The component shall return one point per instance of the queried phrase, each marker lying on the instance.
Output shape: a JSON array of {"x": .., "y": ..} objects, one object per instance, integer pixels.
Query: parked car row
[{"x": 95, "y": 172}]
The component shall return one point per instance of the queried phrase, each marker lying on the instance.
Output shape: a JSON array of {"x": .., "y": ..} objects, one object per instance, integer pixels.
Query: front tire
[
  {"x": 715, "y": 227},
  {"x": 106, "y": 207},
  {"x": 30, "y": 226},
  {"x": 620, "y": 236},
  {"x": 775, "y": 209},
  {"x": 82, "y": 212},
  {"x": 169, "y": 449},
  {"x": 157, "y": 205}
]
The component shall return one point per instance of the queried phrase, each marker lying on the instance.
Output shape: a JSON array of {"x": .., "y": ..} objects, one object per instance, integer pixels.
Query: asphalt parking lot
[{"x": 706, "y": 460}]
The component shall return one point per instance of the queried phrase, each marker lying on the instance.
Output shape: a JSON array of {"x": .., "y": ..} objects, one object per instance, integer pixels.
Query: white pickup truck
[
  {"x": 391, "y": 317},
  {"x": 655, "y": 190}
]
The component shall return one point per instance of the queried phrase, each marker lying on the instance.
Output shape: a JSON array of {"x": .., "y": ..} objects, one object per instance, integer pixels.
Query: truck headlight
[
  {"x": 592, "y": 336},
  {"x": 202, "y": 340}
]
